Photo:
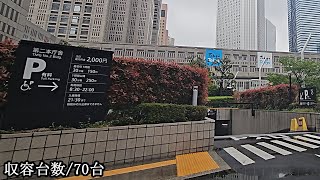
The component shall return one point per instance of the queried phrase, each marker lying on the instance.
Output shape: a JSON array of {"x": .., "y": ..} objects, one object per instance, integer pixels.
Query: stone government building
[{"x": 243, "y": 61}]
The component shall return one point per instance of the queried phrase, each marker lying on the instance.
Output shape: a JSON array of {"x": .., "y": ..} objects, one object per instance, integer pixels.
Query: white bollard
[{"x": 195, "y": 96}]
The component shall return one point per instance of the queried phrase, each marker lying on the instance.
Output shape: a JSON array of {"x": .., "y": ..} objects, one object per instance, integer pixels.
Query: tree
[
  {"x": 7, "y": 57},
  {"x": 304, "y": 71},
  {"x": 224, "y": 74},
  {"x": 276, "y": 79},
  {"x": 197, "y": 62}
]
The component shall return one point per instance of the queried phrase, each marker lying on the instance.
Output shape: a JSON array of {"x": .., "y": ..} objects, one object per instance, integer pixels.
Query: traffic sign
[
  {"x": 307, "y": 97},
  {"x": 57, "y": 84}
]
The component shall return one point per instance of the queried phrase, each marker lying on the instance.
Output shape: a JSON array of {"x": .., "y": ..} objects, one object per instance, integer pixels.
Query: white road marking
[
  {"x": 264, "y": 155},
  {"x": 290, "y": 146},
  {"x": 241, "y": 158},
  {"x": 312, "y": 136},
  {"x": 307, "y": 139},
  {"x": 275, "y": 148},
  {"x": 301, "y": 143}
]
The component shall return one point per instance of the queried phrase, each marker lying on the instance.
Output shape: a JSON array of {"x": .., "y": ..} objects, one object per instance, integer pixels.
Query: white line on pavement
[
  {"x": 241, "y": 158},
  {"x": 264, "y": 155},
  {"x": 312, "y": 136},
  {"x": 274, "y": 148},
  {"x": 301, "y": 143},
  {"x": 290, "y": 146},
  {"x": 307, "y": 139}
]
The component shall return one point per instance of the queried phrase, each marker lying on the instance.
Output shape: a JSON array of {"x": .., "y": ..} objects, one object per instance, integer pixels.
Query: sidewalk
[{"x": 182, "y": 167}]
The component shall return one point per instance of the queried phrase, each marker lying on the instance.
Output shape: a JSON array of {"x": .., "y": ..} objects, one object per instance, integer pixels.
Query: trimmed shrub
[
  {"x": 272, "y": 97},
  {"x": 220, "y": 101},
  {"x": 155, "y": 113},
  {"x": 136, "y": 81}
]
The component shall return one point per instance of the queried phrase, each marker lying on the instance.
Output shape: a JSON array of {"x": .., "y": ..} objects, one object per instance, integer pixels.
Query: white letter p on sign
[{"x": 29, "y": 69}]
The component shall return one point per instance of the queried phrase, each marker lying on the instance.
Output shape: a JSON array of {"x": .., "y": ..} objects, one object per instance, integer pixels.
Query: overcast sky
[{"x": 193, "y": 22}]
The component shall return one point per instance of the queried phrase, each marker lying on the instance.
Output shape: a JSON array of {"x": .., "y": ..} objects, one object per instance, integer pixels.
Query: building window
[
  {"x": 86, "y": 20},
  {"x": 77, "y": 8},
  {"x": 62, "y": 30},
  {"x": 88, "y": 9},
  {"x": 75, "y": 19},
  {"x": 163, "y": 13},
  {"x": 53, "y": 18},
  {"x": 66, "y": 7},
  {"x": 64, "y": 18},
  {"x": 73, "y": 30},
  {"x": 55, "y": 6},
  {"x": 51, "y": 29}
]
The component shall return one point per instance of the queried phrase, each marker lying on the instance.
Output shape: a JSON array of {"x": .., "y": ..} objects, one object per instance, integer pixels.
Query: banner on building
[
  {"x": 264, "y": 60},
  {"x": 213, "y": 57}
]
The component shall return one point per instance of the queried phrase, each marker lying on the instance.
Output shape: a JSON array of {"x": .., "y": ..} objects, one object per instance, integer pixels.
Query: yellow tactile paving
[
  {"x": 126, "y": 170},
  {"x": 189, "y": 164}
]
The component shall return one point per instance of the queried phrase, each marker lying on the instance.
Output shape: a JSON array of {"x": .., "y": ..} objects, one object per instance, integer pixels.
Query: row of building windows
[{"x": 9, "y": 12}]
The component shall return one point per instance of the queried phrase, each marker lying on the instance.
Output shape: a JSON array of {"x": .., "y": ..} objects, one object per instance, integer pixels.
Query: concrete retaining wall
[
  {"x": 113, "y": 145},
  {"x": 268, "y": 121}
]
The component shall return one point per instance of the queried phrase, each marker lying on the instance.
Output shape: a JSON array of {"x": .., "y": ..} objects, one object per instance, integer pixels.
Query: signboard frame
[
  {"x": 308, "y": 96},
  {"x": 267, "y": 57},
  {"x": 213, "y": 57},
  {"x": 57, "y": 84}
]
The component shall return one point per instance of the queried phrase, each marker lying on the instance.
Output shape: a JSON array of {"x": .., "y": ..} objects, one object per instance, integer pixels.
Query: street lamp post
[
  {"x": 290, "y": 87},
  {"x": 260, "y": 68}
]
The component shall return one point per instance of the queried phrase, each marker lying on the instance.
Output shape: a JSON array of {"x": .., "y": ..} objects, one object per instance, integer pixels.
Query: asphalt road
[{"x": 298, "y": 165}]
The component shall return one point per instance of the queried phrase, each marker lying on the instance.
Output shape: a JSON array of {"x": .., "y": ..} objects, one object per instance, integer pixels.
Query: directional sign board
[
  {"x": 213, "y": 57},
  {"x": 55, "y": 83},
  {"x": 308, "y": 96}
]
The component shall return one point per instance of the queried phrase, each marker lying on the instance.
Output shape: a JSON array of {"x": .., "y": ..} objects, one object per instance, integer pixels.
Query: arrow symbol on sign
[{"x": 54, "y": 87}]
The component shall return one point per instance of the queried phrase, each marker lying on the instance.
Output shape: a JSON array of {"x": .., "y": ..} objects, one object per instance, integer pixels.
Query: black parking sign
[
  {"x": 307, "y": 96},
  {"x": 57, "y": 84}
]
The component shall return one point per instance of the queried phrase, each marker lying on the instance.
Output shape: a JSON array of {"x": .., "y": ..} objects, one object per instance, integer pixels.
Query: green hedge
[
  {"x": 220, "y": 101},
  {"x": 155, "y": 113}
]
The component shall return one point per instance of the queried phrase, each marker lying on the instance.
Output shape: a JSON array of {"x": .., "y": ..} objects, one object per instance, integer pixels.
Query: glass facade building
[{"x": 303, "y": 19}]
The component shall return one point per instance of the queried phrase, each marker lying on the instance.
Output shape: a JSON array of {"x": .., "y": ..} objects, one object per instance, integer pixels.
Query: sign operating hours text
[{"x": 86, "y": 76}]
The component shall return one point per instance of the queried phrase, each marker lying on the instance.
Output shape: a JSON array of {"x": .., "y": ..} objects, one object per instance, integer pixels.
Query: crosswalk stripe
[
  {"x": 241, "y": 158},
  {"x": 275, "y": 148},
  {"x": 290, "y": 146},
  {"x": 312, "y": 136},
  {"x": 264, "y": 155},
  {"x": 307, "y": 139},
  {"x": 301, "y": 143}
]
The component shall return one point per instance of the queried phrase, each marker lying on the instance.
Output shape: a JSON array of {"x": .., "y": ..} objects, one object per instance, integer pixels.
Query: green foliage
[
  {"x": 198, "y": 62},
  {"x": 304, "y": 71},
  {"x": 220, "y": 101},
  {"x": 154, "y": 113},
  {"x": 224, "y": 75},
  {"x": 276, "y": 79},
  {"x": 271, "y": 98},
  {"x": 215, "y": 98}
]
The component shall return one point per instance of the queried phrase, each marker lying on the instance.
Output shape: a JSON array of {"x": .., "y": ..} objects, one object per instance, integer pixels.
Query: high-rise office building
[
  {"x": 241, "y": 24},
  {"x": 303, "y": 20},
  {"x": 156, "y": 22},
  {"x": 171, "y": 41},
  {"x": 119, "y": 21},
  {"x": 271, "y": 36},
  {"x": 164, "y": 34},
  {"x": 130, "y": 21}
]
